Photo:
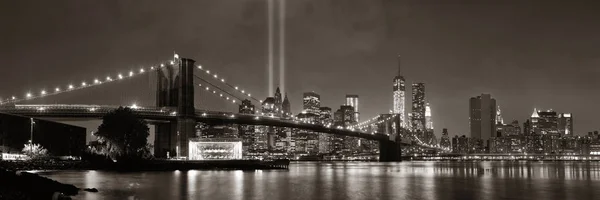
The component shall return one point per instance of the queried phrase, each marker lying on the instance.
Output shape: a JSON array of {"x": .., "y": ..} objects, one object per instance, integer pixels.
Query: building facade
[
  {"x": 311, "y": 102},
  {"x": 418, "y": 122},
  {"x": 399, "y": 96},
  {"x": 352, "y": 100},
  {"x": 482, "y": 116}
]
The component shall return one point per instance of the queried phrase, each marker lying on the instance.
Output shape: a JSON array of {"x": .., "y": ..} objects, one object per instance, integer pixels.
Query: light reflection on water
[{"x": 313, "y": 180}]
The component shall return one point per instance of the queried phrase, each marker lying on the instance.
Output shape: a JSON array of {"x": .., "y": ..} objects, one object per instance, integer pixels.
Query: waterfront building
[{"x": 215, "y": 149}]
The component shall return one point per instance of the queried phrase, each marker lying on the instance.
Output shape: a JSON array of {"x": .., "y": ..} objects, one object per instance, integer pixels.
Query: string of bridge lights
[
  {"x": 227, "y": 97},
  {"x": 84, "y": 84},
  {"x": 371, "y": 121},
  {"x": 368, "y": 122},
  {"x": 222, "y": 80}
]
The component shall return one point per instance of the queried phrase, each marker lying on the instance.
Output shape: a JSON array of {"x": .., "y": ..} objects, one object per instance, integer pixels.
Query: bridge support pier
[
  {"x": 389, "y": 151},
  {"x": 175, "y": 88},
  {"x": 185, "y": 130}
]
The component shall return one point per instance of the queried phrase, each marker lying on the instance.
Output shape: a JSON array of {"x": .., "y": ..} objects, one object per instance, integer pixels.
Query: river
[{"x": 351, "y": 180}]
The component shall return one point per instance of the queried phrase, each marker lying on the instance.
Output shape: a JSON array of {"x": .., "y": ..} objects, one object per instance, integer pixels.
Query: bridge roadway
[{"x": 166, "y": 114}]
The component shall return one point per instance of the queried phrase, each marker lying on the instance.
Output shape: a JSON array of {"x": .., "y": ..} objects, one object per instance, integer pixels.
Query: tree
[
  {"x": 34, "y": 151},
  {"x": 125, "y": 134}
]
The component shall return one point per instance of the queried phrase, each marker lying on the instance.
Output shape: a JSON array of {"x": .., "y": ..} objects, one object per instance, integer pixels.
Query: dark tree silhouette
[{"x": 125, "y": 134}]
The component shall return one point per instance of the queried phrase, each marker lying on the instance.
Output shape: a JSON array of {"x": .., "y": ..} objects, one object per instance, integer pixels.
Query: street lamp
[{"x": 31, "y": 135}]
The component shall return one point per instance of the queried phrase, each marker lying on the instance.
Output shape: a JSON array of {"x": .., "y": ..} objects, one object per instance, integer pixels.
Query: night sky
[{"x": 529, "y": 54}]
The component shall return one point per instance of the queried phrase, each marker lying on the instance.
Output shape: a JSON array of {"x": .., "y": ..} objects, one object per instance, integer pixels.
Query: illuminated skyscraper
[
  {"x": 352, "y": 100},
  {"x": 399, "y": 96},
  {"x": 482, "y": 116},
  {"x": 286, "y": 106},
  {"x": 445, "y": 140},
  {"x": 428, "y": 116},
  {"x": 418, "y": 122},
  {"x": 325, "y": 118},
  {"x": 311, "y": 103},
  {"x": 278, "y": 100},
  {"x": 247, "y": 132},
  {"x": 499, "y": 119},
  {"x": 565, "y": 124},
  {"x": 545, "y": 122}
]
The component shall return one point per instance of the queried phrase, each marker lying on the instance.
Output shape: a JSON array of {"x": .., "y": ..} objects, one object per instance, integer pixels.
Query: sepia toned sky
[{"x": 542, "y": 54}]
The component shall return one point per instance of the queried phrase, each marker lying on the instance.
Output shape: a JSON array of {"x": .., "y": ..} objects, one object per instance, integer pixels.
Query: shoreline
[{"x": 146, "y": 165}]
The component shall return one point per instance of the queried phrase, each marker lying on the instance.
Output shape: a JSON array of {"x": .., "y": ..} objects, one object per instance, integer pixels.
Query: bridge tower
[
  {"x": 175, "y": 88},
  {"x": 390, "y": 150}
]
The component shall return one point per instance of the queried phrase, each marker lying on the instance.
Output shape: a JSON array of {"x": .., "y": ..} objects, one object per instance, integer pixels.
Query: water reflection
[{"x": 407, "y": 180}]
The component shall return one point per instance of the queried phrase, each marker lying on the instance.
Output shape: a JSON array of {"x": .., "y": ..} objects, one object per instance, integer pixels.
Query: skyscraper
[
  {"x": 545, "y": 122},
  {"x": 278, "y": 100},
  {"x": 445, "y": 140},
  {"x": 286, "y": 107},
  {"x": 325, "y": 118},
  {"x": 499, "y": 119},
  {"x": 311, "y": 103},
  {"x": 399, "y": 96},
  {"x": 482, "y": 118},
  {"x": 418, "y": 121},
  {"x": 344, "y": 117},
  {"x": 565, "y": 124},
  {"x": 247, "y": 132},
  {"x": 428, "y": 117},
  {"x": 352, "y": 100}
]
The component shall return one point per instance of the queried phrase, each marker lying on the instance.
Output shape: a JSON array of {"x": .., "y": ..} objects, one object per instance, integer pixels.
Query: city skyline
[{"x": 533, "y": 69}]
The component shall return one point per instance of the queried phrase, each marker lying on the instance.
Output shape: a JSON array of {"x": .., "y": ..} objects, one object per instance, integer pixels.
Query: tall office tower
[
  {"x": 399, "y": 96},
  {"x": 264, "y": 135},
  {"x": 545, "y": 125},
  {"x": 286, "y": 107},
  {"x": 527, "y": 127},
  {"x": 418, "y": 122},
  {"x": 278, "y": 100},
  {"x": 325, "y": 118},
  {"x": 565, "y": 124},
  {"x": 445, "y": 140},
  {"x": 499, "y": 119},
  {"x": 545, "y": 122},
  {"x": 482, "y": 118},
  {"x": 428, "y": 117},
  {"x": 306, "y": 141},
  {"x": 352, "y": 100},
  {"x": 311, "y": 102},
  {"x": 246, "y": 132}
]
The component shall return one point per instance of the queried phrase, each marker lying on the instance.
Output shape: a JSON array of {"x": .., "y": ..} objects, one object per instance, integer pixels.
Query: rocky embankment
[{"x": 18, "y": 185}]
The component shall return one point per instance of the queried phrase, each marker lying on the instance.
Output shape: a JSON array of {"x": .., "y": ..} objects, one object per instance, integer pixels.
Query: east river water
[{"x": 351, "y": 180}]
